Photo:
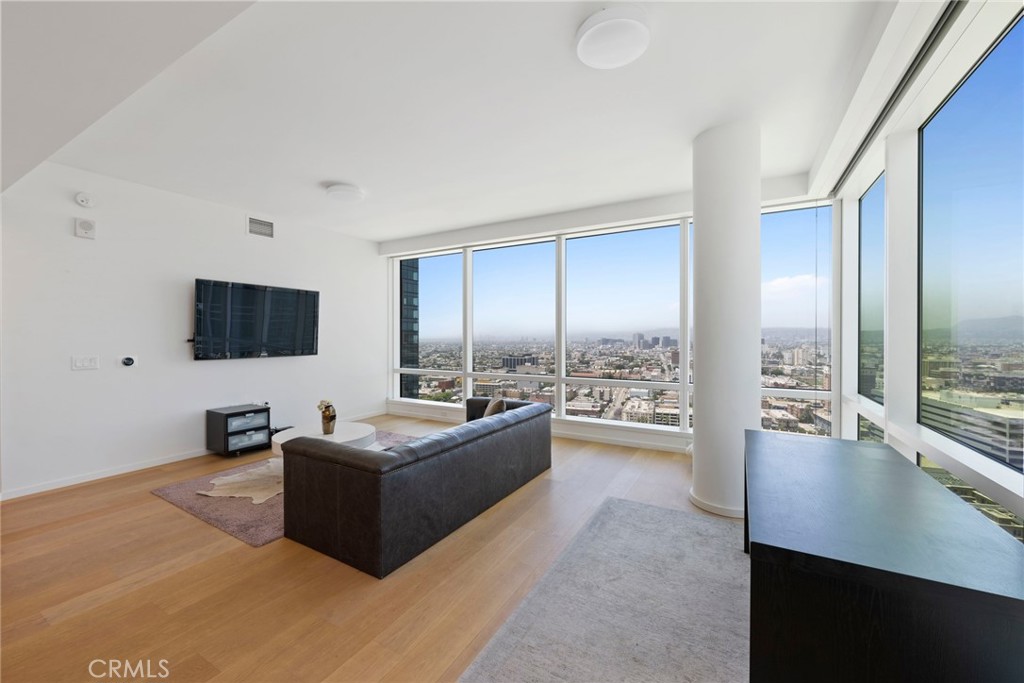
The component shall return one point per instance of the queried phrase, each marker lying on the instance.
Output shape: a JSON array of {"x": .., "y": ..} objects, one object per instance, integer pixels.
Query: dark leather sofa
[{"x": 376, "y": 510}]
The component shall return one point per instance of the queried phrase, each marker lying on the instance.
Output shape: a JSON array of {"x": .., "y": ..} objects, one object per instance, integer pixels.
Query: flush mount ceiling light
[
  {"x": 345, "y": 192},
  {"x": 613, "y": 37}
]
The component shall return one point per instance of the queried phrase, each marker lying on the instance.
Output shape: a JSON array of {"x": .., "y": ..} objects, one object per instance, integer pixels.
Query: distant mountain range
[
  {"x": 624, "y": 334},
  {"x": 794, "y": 334},
  {"x": 982, "y": 331}
]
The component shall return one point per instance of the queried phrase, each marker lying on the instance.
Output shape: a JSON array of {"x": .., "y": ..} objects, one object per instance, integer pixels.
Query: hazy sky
[
  {"x": 621, "y": 283},
  {"x": 441, "y": 297},
  {"x": 796, "y": 268},
  {"x": 973, "y": 203},
  {"x": 872, "y": 256},
  {"x": 514, "y": 292}
]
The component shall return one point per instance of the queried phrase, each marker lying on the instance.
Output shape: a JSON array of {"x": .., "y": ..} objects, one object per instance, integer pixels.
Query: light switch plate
[{"x": 85, "y": 362}]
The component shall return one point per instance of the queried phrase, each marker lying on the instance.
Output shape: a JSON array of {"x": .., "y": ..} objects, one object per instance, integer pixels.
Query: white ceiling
[
  {"x": 65, "y": 64},
  {"x": 459, "y": 114}
]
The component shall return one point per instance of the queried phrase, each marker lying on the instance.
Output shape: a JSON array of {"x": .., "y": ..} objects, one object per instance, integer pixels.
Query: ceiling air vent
[{"x": 261, "y": 228}]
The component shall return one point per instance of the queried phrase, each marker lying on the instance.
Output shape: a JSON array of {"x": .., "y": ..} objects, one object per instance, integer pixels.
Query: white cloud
[{"x": 793, "y": 301}]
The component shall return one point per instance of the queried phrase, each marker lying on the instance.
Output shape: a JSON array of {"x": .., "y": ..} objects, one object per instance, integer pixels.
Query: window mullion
[
  {"x": 684, "y": 324},
  {"x": 836, "y": 318},
  {"x": 467, "y": 322},
  {"x": 560, "y": 341}
]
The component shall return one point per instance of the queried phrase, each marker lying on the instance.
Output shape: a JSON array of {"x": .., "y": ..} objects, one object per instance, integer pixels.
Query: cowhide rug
[{"x": 259, "y": 483}]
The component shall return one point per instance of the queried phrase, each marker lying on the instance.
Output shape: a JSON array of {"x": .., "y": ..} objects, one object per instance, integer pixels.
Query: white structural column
[{"x": 726, "y": 310}]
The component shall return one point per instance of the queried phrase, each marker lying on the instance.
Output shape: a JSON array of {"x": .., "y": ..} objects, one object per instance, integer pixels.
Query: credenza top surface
[{"x": 865, "y": 504}]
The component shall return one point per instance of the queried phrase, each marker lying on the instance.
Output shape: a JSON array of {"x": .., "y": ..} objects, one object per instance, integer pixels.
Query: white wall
[{"x": 130, "y": 292}]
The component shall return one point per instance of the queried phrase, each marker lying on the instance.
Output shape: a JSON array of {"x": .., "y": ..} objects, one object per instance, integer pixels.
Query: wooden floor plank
[{"x": 107, "y": 570}]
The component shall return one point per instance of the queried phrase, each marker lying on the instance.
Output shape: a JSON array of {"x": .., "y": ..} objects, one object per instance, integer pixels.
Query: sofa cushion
[{"x": 497, "y": 405}]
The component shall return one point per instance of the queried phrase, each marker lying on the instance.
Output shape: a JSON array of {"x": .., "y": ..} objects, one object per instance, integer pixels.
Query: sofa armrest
[
  {"x": 333, "y": 508},
  {"x": 362, "y": 459},
  {"x": 477, "y": 405}
]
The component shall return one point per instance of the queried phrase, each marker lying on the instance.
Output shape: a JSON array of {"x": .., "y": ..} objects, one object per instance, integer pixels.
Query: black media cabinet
[
  {"x": 236, "y": 429},
  {"x": 864, "y": 568}
]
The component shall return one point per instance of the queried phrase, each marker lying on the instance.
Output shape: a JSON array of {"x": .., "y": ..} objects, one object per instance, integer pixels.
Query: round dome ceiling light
[
  {"x": 345, "y": 192},
  {"x": 613, "y": 37}
]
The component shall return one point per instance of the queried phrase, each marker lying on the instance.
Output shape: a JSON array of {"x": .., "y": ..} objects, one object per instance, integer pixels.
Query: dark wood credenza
[{"x": 864, "y": 568}]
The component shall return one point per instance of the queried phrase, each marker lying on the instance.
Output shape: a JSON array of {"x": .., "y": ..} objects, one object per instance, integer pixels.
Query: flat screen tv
[{"x": 237, "y": 320}]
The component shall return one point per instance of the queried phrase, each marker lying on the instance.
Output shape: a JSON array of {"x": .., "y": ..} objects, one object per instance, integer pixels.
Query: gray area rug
[
  {"x": 642, "y": 593},
  {"x": 255, "y": 524}
]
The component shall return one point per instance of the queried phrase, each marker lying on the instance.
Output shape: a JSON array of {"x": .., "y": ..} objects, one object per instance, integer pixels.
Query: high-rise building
[
  {"x": 638, "y": 340},
  {"x": 409, "y": 343},
  {"x": 514, "y": 361},
  {"x": 979, "y": 421}
]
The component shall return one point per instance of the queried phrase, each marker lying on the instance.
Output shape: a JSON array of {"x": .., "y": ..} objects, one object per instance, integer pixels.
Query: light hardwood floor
[{"x": 106, "y": 570}]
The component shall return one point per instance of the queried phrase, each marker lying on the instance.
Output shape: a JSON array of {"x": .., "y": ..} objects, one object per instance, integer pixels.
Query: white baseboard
[
  {"x": 428, "y": 411},
  {"x": 361, "y": 416},
  {"x": 584, "y": 430},
  {"x": 621, "y": 435},
  {"x": 716, "y": 509},
  {"x": 98, "y": 474},
  {"x": 132, "y": 467}
]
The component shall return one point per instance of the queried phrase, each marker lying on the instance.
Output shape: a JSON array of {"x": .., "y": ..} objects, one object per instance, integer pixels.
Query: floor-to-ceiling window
[
  {"x": 622, "y": 326},
  {"x": 430, "y": 328},
  {"x": 619, "y": 358},
  {"x": 621, "y": 353},
  {"x": 796, "y": 330},
  {"x": 932, "y": 262},
  {"x": 513, "y": 345},
  {"x": 871, "y": 283},
  {"x": 972, "y": 259}
]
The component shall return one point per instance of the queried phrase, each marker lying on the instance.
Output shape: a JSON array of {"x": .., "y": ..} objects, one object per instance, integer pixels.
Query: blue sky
[
  {"x": 615, "y": 284},
  {"x": 973, "y": 203},
  {"x": 514, "y": 292},
  {"x": 796, "y": 268},
  {"x": 441, "y": 297},
  {"x": 872, "y": 256},
  {"x": 620, "y": 283},
  {"x": 623, "y": 283}
]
